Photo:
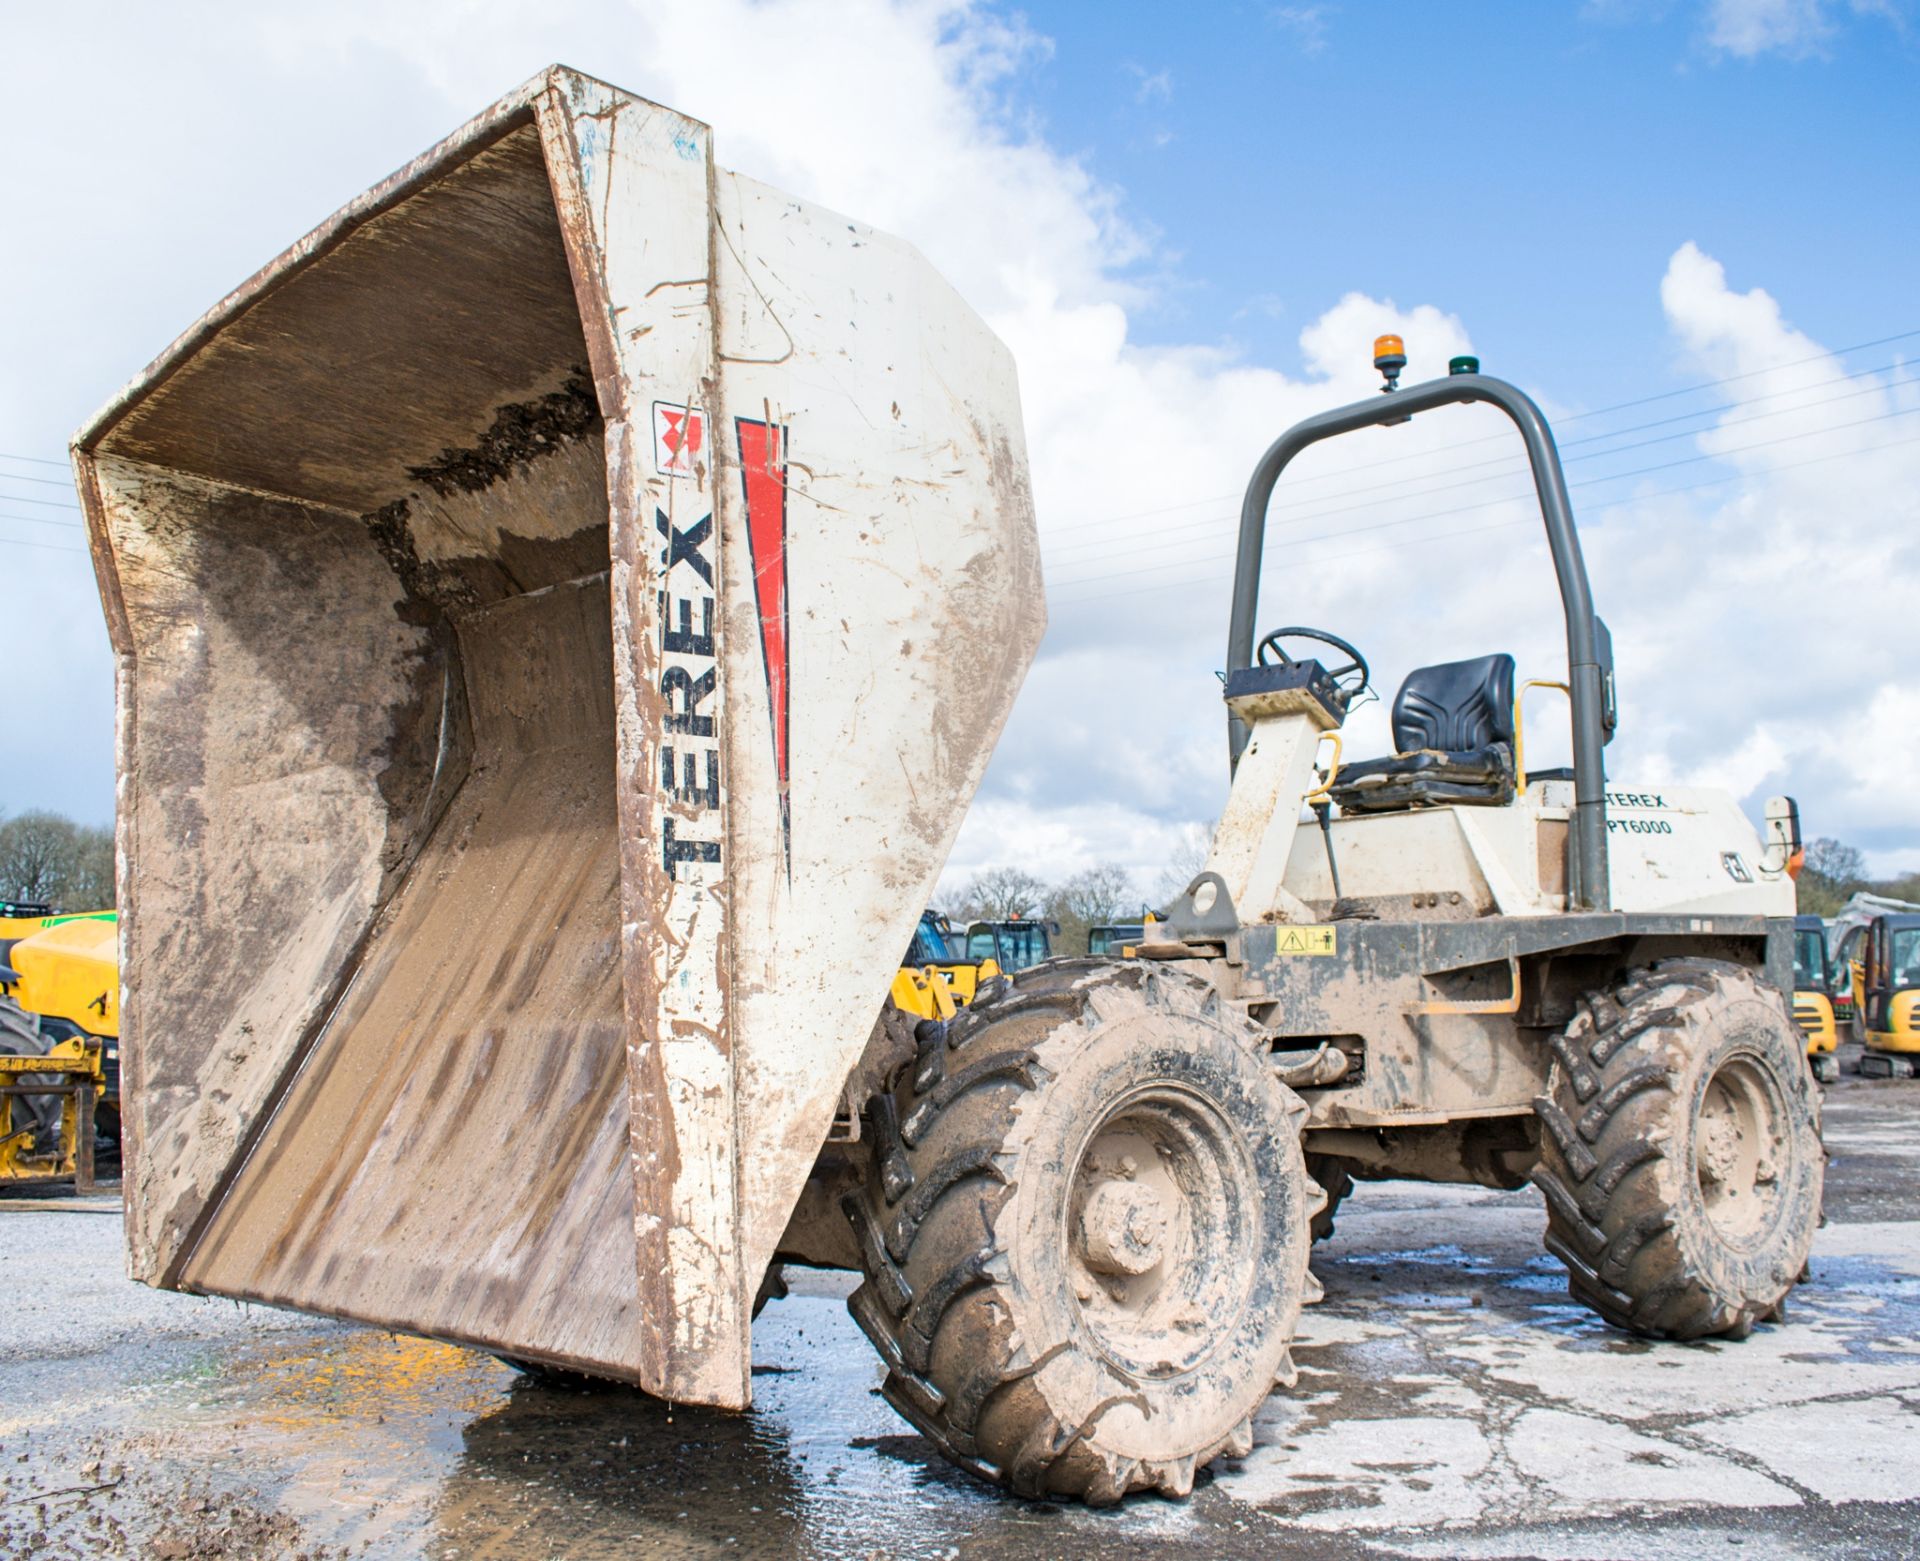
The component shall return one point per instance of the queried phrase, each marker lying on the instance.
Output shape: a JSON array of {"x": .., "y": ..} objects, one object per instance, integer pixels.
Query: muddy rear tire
[
  {"x": 1680, "y": 1152},
  {"x": 1085, "y": 1243}
]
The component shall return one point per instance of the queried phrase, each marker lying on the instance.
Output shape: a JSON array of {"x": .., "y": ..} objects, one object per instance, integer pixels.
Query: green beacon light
[{"x": 1465, "y": 364}]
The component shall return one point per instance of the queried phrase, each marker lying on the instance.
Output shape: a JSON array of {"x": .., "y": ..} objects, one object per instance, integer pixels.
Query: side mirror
[
  {"x": 1609, "y": 704},
  {"x": 1784, "y": 849}
]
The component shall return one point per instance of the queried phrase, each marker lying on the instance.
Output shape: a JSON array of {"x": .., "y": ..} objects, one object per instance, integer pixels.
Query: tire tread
[
  {"x": 928, "y": 1241},
  {"x": 1608, "y": 1131}
]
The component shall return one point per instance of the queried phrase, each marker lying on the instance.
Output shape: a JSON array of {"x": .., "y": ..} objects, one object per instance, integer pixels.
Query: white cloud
[
  {"x": 1879, "y": 784},
  {"x": 1742, "y": 614},
  {"x": 1762, "y": 618},
  {"x": 1749, "y": 27},
  {"x": 1307, "y": 23},
  {"x": 1793, "y": 28},
  {"x": 1149, "y": 87}
]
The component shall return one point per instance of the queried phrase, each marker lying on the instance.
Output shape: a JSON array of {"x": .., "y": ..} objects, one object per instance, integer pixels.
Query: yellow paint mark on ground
[{"x": 374, "y": 1377}]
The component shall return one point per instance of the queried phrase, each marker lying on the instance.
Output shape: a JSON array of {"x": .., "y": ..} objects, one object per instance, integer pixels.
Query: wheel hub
[
  {"x": 1122, "y": 1228},
  {"x": 1719, "y": 1151},
  {"x": 1739, "y": 1142},
  {"x": 1161, "y": 1234}
]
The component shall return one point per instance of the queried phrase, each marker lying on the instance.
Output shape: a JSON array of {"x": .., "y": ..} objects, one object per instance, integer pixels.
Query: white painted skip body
[
  {"x": 536, "y": 595},
  {"x": 1671, "y": 849}
]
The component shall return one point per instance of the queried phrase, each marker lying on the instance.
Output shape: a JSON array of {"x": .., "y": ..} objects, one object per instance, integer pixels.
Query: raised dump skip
[{"x": 538, "y": 738}]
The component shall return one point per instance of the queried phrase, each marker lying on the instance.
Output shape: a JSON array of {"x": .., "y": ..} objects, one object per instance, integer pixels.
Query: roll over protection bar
[{"x": 1589, "y": 647}]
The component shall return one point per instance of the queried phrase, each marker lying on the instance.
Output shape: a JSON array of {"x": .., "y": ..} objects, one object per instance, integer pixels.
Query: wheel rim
[
  {"x": 1740, "y": 1149},
  {"x": 1161, "y": 1232}
]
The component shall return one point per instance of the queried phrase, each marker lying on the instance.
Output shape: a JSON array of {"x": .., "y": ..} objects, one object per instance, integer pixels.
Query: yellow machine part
[
  {"x": 71, "y": 970},
  {"x": 27, "y": 926},
  {"x": 1813, "y": 1012},
  {"x": 937, "y": 991},
  {"x": 22, "y": 1157},
  {"x": 1903, "y": 1012}
]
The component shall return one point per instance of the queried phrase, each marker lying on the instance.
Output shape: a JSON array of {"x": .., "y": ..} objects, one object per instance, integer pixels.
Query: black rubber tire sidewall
[
  {"x": 1117, "y": 1062},
  {"x": 1620, "y": 1146},
  {"x": 1752, "y": 1273}
]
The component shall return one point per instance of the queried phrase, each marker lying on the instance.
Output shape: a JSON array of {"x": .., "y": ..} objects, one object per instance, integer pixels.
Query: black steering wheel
[{"x": 1355, "y": 668}]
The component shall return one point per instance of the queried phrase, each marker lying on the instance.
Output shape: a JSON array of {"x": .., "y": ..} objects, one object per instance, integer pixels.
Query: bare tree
[
  {"x": 1094, "y": 895},
  {"x": 90, "y": 885},
  {"x": 1091, "y": 896},
  {"x": 1184, "y": 862},
  {"x": 1843, "y": 866},
  {"x": 50, "y": 859},
  {"x": 1002, "y": 893},
  {"x": 35, "y": 851},
  {"x": 1832, "y": 873}
]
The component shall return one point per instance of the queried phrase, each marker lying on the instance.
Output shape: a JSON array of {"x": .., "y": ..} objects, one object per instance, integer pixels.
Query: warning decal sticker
[{"x": 1303, "y": 940}]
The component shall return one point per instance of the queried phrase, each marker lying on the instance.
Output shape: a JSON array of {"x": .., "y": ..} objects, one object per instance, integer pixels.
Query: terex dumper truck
[{"x": 553, "y": 579}]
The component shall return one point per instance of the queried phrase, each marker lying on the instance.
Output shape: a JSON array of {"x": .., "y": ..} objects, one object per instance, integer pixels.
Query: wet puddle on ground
[
  {"x": 368, "y": 1444},
  {"x": 1449, "y": 1397}
]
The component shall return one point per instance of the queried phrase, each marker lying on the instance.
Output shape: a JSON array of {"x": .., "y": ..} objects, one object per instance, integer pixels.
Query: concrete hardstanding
[{"x": 534, "y": 595}]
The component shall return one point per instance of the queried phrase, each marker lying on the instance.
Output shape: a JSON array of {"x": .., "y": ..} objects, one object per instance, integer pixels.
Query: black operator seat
[{"x": 1453, "y": 725}]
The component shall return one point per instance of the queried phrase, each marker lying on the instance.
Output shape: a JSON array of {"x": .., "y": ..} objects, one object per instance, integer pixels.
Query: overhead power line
[
  {"x": 1213, "y": 575},
  {"x": 1461, "y": 509},
  {"x": 45, "y": 547},
  {"x": 42, "y": 520},
  {"x": 1564, "y": 422},
  {"x": 1586, "y": 482},
  {"x": 1517, "y": 463},
  {"x": 1734, "y": 379}
]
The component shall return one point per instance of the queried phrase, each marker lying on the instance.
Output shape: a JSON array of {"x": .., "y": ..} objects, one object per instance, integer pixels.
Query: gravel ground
[{"x": 1451, "y": 1403}]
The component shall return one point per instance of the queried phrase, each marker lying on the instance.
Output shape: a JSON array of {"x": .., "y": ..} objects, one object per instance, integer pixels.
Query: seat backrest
[{"x": 1456, "y": 706}]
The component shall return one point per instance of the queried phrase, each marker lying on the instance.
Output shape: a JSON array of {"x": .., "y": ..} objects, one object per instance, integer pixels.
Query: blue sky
[
  {"x": 1187, "y": 223},
  {"x": 1529, "y": 163}
]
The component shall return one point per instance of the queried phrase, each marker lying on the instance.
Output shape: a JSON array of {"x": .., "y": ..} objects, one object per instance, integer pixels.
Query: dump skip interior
[{"x": 360, "y": 534}]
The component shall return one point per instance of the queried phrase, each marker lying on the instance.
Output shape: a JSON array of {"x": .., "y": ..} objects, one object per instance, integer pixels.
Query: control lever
[{"x": 1323, "y": 810}]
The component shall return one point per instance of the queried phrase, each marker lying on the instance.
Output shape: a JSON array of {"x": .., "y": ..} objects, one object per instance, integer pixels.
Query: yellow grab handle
[
  {"x": 1319, "y": 794},
  {"x": 1519, "y": 727}
]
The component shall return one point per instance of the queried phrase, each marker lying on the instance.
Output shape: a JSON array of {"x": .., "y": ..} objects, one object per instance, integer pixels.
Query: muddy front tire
[
  {"x": 1680, "y": 1152},
  {"x": 1086, "y": 1239}
]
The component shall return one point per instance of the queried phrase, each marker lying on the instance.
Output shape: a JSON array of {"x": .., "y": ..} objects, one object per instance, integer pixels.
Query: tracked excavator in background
[
  {"x": 1815, "y": 994},
  {"x": 506, "y": 701},
  {"x": 1889, "y": 1004}
]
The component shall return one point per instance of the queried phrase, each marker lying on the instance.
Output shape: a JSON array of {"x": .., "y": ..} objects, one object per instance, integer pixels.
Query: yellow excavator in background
[
  {"x": 937, "y": 979},
  {"x": 59, "y": 1043},
  {"x": 1019, "y": 944},
  {"x": 1813, "y": 991},
  {"x": 1889, "y": 1004}
]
